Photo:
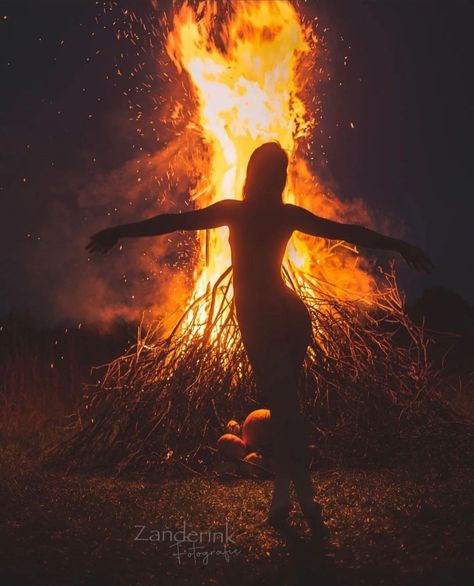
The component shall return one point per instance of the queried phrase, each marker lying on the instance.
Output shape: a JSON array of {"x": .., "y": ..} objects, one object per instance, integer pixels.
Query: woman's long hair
[{"x": 266, "y": 173}]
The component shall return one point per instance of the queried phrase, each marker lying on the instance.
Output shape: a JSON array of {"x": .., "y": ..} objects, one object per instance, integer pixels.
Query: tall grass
[{"x": 43, "y": 370}]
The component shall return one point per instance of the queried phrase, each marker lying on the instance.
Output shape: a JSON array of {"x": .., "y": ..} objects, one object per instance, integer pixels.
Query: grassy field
[{"x": 402, "y": 524}]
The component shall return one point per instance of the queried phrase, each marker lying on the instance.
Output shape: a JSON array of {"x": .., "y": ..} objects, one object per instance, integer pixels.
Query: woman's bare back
[
  {"x": 268, "y": 312},
  {"x": 258, "y": 239}
]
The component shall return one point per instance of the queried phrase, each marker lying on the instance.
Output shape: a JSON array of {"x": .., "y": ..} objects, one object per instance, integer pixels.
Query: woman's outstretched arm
[
  {"x": 307, "y": 222},
  {"x": 213, "y": 216}
]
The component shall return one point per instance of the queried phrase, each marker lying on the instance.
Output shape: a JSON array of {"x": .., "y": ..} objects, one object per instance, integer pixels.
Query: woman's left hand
[
  {"x": 416, "y": 258},
  {"x": 103, "y": 241}
]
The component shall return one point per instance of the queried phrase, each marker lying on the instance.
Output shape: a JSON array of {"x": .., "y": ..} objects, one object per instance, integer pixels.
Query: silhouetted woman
[{"x": 274, "y": 323}]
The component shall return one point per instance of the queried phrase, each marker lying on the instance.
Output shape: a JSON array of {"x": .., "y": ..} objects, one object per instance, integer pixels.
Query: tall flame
[{"x": 248, "y": 92}]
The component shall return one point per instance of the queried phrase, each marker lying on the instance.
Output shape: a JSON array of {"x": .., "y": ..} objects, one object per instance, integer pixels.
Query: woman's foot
[{"x": 313, "y": 516}]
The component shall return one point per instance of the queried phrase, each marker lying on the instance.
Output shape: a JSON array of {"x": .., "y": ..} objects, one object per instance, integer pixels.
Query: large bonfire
[{"x": 367, "y": 378}]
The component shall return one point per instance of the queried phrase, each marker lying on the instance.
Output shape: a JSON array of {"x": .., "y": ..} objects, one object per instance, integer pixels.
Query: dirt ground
[{"x": 401, "y": 524}]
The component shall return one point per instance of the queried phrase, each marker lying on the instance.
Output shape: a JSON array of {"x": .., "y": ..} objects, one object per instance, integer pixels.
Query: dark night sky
[{"x": 64, "y": 125}]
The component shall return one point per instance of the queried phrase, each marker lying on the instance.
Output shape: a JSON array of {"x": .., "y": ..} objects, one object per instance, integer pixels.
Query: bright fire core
[{"x": 248, "y": 91}]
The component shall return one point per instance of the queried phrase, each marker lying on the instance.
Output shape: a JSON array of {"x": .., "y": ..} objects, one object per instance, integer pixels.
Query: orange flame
[{"x": 248, "y": 91}]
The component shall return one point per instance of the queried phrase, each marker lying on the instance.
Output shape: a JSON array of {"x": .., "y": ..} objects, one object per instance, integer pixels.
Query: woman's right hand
[{"x": 104, "y": 240}]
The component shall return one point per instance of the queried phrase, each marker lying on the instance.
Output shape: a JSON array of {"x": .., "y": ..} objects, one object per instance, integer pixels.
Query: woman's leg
[
  {"x": 262, "y": 358},
  {"x": 299, "y": 338},
  {"x": 275, "y": 373},
  {"x": 291, "y": 449}
]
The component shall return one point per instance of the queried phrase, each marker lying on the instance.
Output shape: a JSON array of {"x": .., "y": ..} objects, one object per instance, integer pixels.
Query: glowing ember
[{"x": 248, "y": 92}]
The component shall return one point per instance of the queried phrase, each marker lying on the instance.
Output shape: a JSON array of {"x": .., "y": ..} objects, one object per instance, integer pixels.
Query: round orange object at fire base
[
  {"x": 256, "y": 431},
  {"x": 231, "y": 447},
  {"x": 233, "y": 426}
]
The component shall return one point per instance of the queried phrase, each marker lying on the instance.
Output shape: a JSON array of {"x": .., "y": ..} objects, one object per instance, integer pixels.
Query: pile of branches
[{"x": 367, "y": 382}]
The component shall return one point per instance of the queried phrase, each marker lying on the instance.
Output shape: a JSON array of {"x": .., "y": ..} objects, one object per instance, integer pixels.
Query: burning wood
[{"x": 367, "y": 384}]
